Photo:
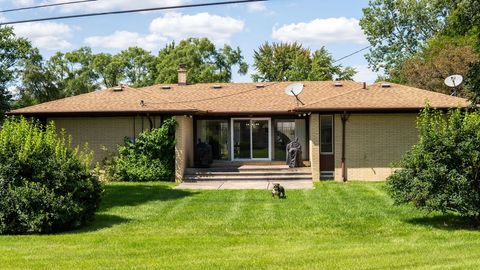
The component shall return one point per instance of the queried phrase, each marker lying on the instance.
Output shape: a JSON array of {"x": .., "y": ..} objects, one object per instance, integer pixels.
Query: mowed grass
[{"x": 334, "y": 226}]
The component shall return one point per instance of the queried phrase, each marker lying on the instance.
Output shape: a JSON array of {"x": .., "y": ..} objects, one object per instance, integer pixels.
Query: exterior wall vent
[
  {"x": 386, "y": 85},
  {"x": 338, "y": 84},
  {"x": 260, "y": 85},
  {"x": 217, "y": 86},
  {"x": 118, "y": 88},
  {"x": 166, "y": 87}
]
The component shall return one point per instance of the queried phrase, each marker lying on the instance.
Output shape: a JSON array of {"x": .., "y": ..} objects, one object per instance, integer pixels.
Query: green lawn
[{"x": 335, "y": 226}]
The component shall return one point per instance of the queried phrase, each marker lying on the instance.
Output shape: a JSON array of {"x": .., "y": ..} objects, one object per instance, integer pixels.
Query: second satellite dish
[
  {"x": 294, "y": 89},
  {"x": 453, "y": 80}
]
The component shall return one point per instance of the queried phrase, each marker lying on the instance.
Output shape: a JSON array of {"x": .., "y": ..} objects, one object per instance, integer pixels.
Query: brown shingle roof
[
  {"x": 106, "y": 101},
  {"x": 240, "y": 98},
  {"x": 395, "y": 97}
]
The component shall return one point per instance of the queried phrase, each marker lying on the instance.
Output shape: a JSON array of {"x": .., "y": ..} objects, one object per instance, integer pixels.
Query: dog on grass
[{"x": 278, "y": 191}]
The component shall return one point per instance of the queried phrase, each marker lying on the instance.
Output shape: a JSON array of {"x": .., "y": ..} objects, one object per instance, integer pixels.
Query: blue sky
[{"x": 329, "y": 23}]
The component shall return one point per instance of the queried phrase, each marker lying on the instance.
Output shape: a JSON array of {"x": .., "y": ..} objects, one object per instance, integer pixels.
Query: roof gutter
[
  {"x": 100, "y": 113},
  {"x": 375, "y": 110}
]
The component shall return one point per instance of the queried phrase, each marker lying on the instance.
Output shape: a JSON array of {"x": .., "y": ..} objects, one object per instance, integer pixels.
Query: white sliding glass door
[{"x": 251, "y": 139}]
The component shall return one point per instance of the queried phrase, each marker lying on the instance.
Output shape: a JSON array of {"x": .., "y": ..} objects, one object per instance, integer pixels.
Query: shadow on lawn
[
  {"x": 101, "y": 221},
  {"x": 129, "y": 195},
  {"x": 448, "y": 222}
]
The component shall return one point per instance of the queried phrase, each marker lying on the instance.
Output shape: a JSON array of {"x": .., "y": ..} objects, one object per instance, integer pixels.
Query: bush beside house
[
  {"x": 151, "y": 157},
  {"x": 442, "y": 171},
  {"x": 45, "y": 185}
]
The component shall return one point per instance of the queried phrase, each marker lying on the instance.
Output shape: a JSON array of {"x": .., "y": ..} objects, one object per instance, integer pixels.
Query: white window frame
[{"x": 232, "y": 156}]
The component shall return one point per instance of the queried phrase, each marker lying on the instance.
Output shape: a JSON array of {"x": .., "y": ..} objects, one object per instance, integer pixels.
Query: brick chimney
[{"x": 182, "y": 74}]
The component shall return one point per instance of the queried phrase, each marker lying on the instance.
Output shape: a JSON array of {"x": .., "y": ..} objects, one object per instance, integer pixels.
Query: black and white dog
[{"x": 279, "y": 191}]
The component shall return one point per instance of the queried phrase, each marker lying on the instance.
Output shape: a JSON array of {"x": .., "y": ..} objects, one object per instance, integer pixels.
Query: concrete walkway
[{"x": 245, "y": 184}]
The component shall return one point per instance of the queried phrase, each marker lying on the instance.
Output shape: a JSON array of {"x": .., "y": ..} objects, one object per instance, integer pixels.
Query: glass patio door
[{"x": 251, "y": 139}]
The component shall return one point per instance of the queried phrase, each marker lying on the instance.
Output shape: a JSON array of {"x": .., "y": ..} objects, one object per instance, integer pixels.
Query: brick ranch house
[{"x": 347, "y": 130}]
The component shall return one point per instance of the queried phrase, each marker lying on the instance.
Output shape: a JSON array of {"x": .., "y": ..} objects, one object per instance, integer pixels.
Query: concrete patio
[{"x": 245, "y": 184}]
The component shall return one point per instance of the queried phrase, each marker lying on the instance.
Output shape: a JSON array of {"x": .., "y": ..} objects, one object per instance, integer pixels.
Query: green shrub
[
  {"x": 150, "y": 158},
  {"x": 442, "y": 171},
  {"x": 45, "y": 185}
]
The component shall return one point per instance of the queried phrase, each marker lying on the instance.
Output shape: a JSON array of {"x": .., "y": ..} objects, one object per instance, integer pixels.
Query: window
[
  {"x": 326, "y": 134},
  {"x": 215, "y": 133},
  {"x": 284, "y": 134}
]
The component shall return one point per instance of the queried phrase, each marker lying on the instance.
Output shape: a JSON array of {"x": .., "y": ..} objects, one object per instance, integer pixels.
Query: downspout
[
  {"x": 152, "y": 126},
  {"x": 344, "y": 117},
  {"x": 134, "y": 129}
]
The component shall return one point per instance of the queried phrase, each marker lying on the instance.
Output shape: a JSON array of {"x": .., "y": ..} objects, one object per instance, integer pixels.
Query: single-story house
[{"x": 347, "y": 130}]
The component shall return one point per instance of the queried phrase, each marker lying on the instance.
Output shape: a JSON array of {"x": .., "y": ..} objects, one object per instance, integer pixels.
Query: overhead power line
[
  {"x": 132, "y": 11},
  {"x": 46, "y": 5},
  {"x": 351, "y": 54}
]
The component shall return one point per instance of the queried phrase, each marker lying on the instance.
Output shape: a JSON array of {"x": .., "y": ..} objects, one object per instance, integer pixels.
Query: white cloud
[
  {"x": 256, "y": 7},
  {"x": 364, "y": 74},
  {"x": 46, "y": 35},
  {"x": 172, "y": 26},
  {"x": 125, "y": 39},
  {"x": 321, "y": 31},
  {"x": 24, "y": 3},
  {"x": 178, "y": 26},
  {"x": 109, "y": 5}
]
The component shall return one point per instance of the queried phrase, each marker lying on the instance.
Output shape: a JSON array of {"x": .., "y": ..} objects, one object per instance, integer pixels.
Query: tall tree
[
  {"x": 14, "y": 54},
  {"x": 38, "y": 85},
  {"x": 204, "y": 61},
  {"x": 293, "y": 62},
  {"x": 139, "y": 66},
  {"x": 465, "y": 19},
  {"x": 442, "y": 57},
  {"x": 464, "y": 23},
  {"x": 472, "y": 84},
  {"x": 109, "y": 68},
  {"x": 398, "y": 29},
  {"x": 455, "y": 49},
  {"x": 63, "y": 75},
  {"x": 80, "y": 78}
]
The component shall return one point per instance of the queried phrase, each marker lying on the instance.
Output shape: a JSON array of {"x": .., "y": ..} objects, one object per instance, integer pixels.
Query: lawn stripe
[
  {"x": 334, "y": 226},
  {"x": 234, "y": 209}
]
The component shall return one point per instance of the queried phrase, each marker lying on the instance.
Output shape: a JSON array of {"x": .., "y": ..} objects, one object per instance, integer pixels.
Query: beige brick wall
[
  {"x": 314, "y": 146},
  {"x": 102, "y": 134},
  {"x": 373, "y": 143},
  {"x": 184, "y": 146}
]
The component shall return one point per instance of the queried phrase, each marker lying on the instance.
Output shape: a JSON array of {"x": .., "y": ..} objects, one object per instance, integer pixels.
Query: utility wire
[
  {"x": 132, "y": 11},
  {"x": 351, "y": 54},
  {"x": 46, "y": 5}
]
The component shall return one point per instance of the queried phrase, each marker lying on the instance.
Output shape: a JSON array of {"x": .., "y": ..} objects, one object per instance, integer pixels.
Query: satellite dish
[
  {"x": 294, "y": 89},
  {"x": 453, "y": 80}
]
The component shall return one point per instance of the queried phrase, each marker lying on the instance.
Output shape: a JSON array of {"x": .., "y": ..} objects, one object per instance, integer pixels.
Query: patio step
[
  {"x": 249, "y": 168},
  {"x": 247, "y": 173}
]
